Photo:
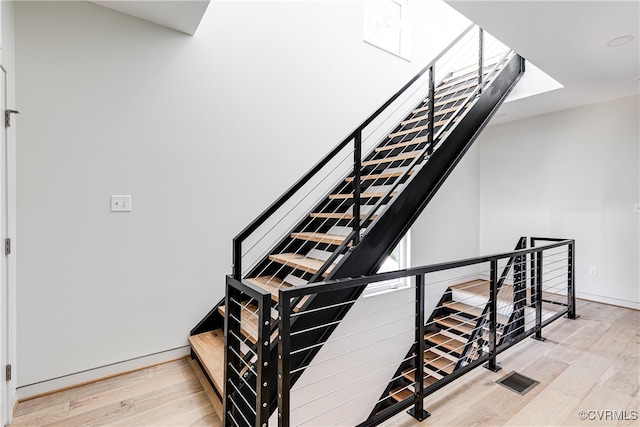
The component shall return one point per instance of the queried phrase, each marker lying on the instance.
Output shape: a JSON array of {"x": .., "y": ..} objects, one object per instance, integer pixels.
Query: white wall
[
  {"x": 572, "y": 174},
  {"x": 203, "y": 132}
]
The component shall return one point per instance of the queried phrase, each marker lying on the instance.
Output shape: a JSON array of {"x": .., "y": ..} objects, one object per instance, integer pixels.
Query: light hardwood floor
[
  {"x": 170, "y": 394},
  {"x": 589, "y": 364}
]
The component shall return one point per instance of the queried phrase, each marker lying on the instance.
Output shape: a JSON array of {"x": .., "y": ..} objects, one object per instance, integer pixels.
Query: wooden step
[
  {"x": 383, "y": 175},
  {"x": 410, "y": 374},
  {"x": 440, "y": 94},
  {"x": 441, "y": 103},
  {"x": 365, "y": 195},
  {"x": 338, "y": 215},
  {"x": 425, "y": 117},
  {"x": 331, "y": 239},
  {"x": 399, "y": 157},
  {"x": 399, "y": 394},
  {"x": 448, "y": 322},
  {"x": 453, "y": 345},
  {"x": 300, "y": 262},
  {"x": 209, "y": 348},
  {"x": 416, "y": 129},
  {"x": 248, "y": 319},
  {"x": 438, "y": 362},
  {"x": 414, "y": 141},
  {"x": 477, "y": 287},
  {"x": 460, "y": 307},
  {"x": 271, "y": 284}
]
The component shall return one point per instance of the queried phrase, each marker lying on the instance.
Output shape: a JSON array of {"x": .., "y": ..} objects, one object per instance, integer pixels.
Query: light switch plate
[{"x": 120, "y": 203}]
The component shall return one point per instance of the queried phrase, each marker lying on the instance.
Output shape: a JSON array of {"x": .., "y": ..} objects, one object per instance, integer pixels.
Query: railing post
[
  {"x": 480, "y": 59},
  {"x": 493, "y": 317},
  {"x": 571, "y": 291},
  {"x": 532, "y": 273},
  {"x": 232, "y": 364},
  {"x": 237, "y": 259},
  {"x": 519, "y": 288},
  {"x": 284, "y": 361},
  {"x": 357, "y": 165},
  {"x": 418, "y": 411},
  {"x": 263, "y": 349},
  {"x": 432, "y": 105},
  {"x": 538, "y": 300}
]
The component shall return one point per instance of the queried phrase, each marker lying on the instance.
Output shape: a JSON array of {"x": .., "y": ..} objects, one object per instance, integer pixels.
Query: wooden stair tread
[
  {"x": 439, "y": 362},
  {"x": 331, "y": 239},
  {"x": 463, "y": 308},
  {"x": 410, "y": 374},
  {"x": 338, "y": 215},
  {"x": 399, "y": 157},
  {"x": 453, "y": 345},
  {"x": 400, "y": 394},
  {"x": 300, "y": 262},
  {"x": 364, "y": 195},
  {"x": 248, "y": 319},
  {"x": 414, "y": 141},
  {"x": 437, "y": 114},
  {"x": 478, "y": 287},
  {"x": 466, "y": 327},
  {"x": 383, "y": 175},
  {"x": 209, "y": 348},
  {"x": 416, "y": 129},
  {"x": 269, "y": 283},
  {"x": 441, "y": 103}
]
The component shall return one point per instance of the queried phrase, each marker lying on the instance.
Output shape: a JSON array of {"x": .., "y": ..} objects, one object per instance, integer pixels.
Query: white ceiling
[
  {"x": 180, "y": 15},
  {"x": 565, "y": 39},
  {"x": 568, "y": 41}
]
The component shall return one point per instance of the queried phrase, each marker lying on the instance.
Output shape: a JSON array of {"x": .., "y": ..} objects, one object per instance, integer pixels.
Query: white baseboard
[
  {"x": 44, "y": 387},
  {"x": 608, "y": 300}
]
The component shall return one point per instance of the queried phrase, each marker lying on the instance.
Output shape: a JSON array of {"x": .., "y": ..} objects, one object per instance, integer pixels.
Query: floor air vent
[{"x": 518, "y": 383}]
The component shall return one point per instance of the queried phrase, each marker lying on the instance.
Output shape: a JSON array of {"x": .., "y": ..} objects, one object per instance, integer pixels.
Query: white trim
[{"x": 48, "y": 386}]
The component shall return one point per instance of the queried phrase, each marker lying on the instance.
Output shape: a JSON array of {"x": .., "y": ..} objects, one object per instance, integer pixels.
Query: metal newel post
[
  {"x": 432, "y": 106},
  {"x": 232, "y": 364},
  {"x": 357, "y": 165},
  {"x": 418, "y": 411},
  {"x": 493, "y": 317},
  {"x": 538, "y": 301},
  {"x": 237, "y": 259},
  {"x": 480, "y": 59},
  {"x": 263, "y": 350},
  {"x": 571, "y": 292},
  {"x": 284, "y": 361}
]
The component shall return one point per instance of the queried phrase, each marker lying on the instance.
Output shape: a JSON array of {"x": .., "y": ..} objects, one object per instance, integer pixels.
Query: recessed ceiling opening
[{"x": 518, "y": 383}]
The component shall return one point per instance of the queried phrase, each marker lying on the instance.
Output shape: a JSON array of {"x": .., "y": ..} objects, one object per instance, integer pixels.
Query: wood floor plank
[
  {"x": 109, "y": 414},
  {"x": 42, "y": 416}
]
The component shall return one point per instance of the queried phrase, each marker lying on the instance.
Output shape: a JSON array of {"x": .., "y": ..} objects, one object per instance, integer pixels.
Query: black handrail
[
  {"x": 285, "y": 314},
  {"x": 253, "y": 226}
]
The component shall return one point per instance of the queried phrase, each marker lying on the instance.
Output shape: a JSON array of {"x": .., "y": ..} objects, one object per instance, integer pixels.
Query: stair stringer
[{"x": 387, "y": 230}]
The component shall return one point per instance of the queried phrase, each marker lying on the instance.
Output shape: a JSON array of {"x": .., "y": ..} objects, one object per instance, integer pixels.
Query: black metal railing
[
  {"x": 435, "y": 72},
  {"x": 338, "y": 385},
  {"x": 247, "y": 356}
]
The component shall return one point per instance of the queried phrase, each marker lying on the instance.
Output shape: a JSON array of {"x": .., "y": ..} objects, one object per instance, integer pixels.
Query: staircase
[{"x": 349, "y": 232}]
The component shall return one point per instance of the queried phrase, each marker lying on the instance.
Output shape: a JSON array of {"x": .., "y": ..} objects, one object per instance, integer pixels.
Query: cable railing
[
  {"x": 355, "y": 204},
  {"x": 327, "y": 213},
  {"x": 389, "y": 354}
]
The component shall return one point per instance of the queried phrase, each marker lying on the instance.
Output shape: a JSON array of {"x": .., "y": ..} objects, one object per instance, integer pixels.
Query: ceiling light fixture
[{"x": 619, "y": 41}]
